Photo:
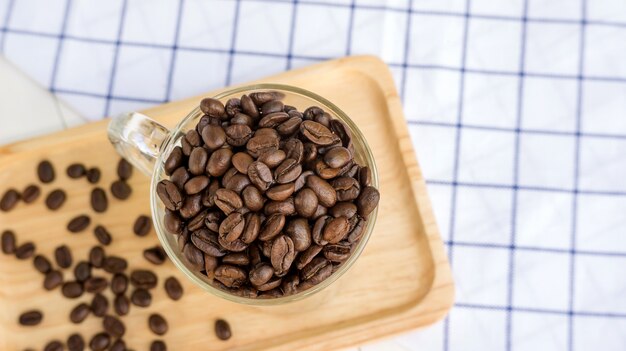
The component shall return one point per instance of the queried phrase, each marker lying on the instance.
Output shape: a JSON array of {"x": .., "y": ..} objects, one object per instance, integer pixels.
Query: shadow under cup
[{"x": 301, "y": 99}]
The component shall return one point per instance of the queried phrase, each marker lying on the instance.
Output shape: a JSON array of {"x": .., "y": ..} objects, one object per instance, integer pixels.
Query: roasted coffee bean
[
  {"x": 114, "y": 264},
  {"x": 213, "y": 136},
  {"x": 365, "y": 177},
  {"x": 219, "y": 162},
  {"x": 173, "y": 289},
  {"x": 30, "y": 318},
  {"x": 63, "y": 256},
  {"x": 82, "y": 271},
  {"x": 174, "y": 160},
  {"x": 75, "y": 342},
  {"x": 72, "y": 289},
  {"x": 242, "y": 118},
  {"x": 272, "y": 227},
  {"x": 222, "y": 329},
  {"x": 237, "y": 259},
  {"x": 212, "y": 107},
  {"x": 367, "y": 201},
  {"x": 252, "y": 228},
  {"x": 237, "y": 183},
  {"x": 288, "y": 171},
  {"x": 272, "y": 120},
  {"x": 252, "y": 198},
  {"x": 317, "y": 133},
  {"x": 93, "y": 175},
  {"x": 197, "y": 222},
  {"x": 155, "y": 255},
  {"x": 345, "y": 209},
  {"x": 170, "y": 195},
  {"x": 141, "y": 298},
  {"x": 231, "y": 276},
  {"x": 42, "y": 264},
  {"x": 261, "y": 143},
  {"x": 325, "y": 193},
  {"x": 309, "y": 153},
  {"x": 99, "y": 305},
  {"x": 285, "y": 207},
  {"x": 194, "y": 256},
  {"x": 261, "y": 274},
  {"x": 79, "y": 313},
  {"x": 121, "y": 305},
  {"x": 337, "y": 157},
  {"x": 157, "y": 324},
  {"x": 95, "y": 284},
  {"x": 102, "y": 235},
  {"x": 143, "y": 279},
  {"x": 45, "y": 171},
  {"x": 99, "y": 201},
  {"x": 78, "y": 223},
  {"x": 142, "y": 225},
  {"x": 24, "y": 251},
  {"x": 198, "y": 160},
  {"x": 172, "y": 222},
  {"x": 100, "y": 342},
  {"x": 306, "y": 203},
  {"x": 118, "y": 345},
  {"x": 347, "y": 188},
  {"x": 210, "y": 263},
  {"x": 307, "y": 256},
  {"x": 179, "y": 177},
  {"x": 337, "y": 252},
  {"x": 121, "y": 190},
  {"x": 238, "y": 134},
  {"x": 260, "y": 175},
  {"x": 31, "y": 193},
  {"x": 96, "y": 256},
  {"x": 231, "y": 172},
  {"x": 280, "y": 192},
  {"x": 248, "y": 107},
  {"x": 282, "y": 255},
  {"x": 10, "y": 198},
  {"x": 300, "y": 233},
  {"x": 233, "y": 106},
  {"x": 158, "y": 345},
  {"x": 54, "y": 345},
  {"x": 317, "y": 266},
  {"x": 227, "y": 200},
  {"x": 241, "y": 161},
  {"x": 311, "y": 112},
  {"x": 232, "y": 227},
  {"x": 206, "y": 242},
  {"x": 124, "y": 169},
  {"x": 196, "y": 184},
  {"x": 335, "y": 230},
  {"x": 119, "y": 283},
  {"x": 8, "y": 242},
  {"x": 52, "y": 280},
  {"x": 323, "y": 119},
  {"x": 113, "y": 326},
  {"x": 271, "y": 107},
  {"x": 272, "y": 158},
  {"x": 76, "y": 170}
]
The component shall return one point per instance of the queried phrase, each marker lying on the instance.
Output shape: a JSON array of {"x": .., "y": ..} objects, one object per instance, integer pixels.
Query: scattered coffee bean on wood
[
  {"x": 96, "y": 256},
  {"x": 95, "y": 284},
  {"x": 75, "y": 342},
  {"x": 10, "y": 198},
  {"x": 8, "y": 242},
  {"x": 173, "y": 289},
  {"x": 99, "y": 201},
  {"x": 114, "y": 264},
  {"x": 76, "y": 170},
  {"x": 55, "y": 199},
  {"x": 30, "y": 318},
  {"x": 45, "y": 171},
  {"x": 31, "y": 193},
  {"x": 72, "y": 289},
  {"x": 54, "y": 345},
  {"x": 52, "y": 280},
  {"x": 102, "y": 235},
  {"x": 119, "y": 283},
  {"x": 82, "y": 271},
  {"x": 99, "y": 305},
  {"x": 118, "y": 345},
  {"x": 121, "y": 305},
  {"x": 63, "y": 256},
  {"x": 155, "y": 255},
  {"x": 79, "y": 313},
  {"x": 113, "y": 326},
  {"x": 24, "y": 251},
  {"x": 158, "y": 345},
  {"x": 222, "y": 329},
  {"x": 142, "y": 225},
  {"x": 157, "y": 324},
  {"x": 42, "y": 264},
  {"x": 143, "y": 279},
  {"x": 100, "y": 342},
  {"x": 120, "y": 190},
  {"x": 124, "y": 169},
  {"x": 141, "y": 298},
  {"x": 78, "y": 223},
  {"x": 93, "y": 175}
]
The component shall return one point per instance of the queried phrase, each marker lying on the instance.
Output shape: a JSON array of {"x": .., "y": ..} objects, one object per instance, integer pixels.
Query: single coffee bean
[
  {"x": 272, "y": 227},
  {"x": 210, "y": 263},
  {"x": 113, "y": 326},
  {"x": 231, "y": 276},
  {"x": 274, "y": 119},
  {"x": 219, "y": 162},
  {"x": 212, "y": 107},
  {"x": 76, "y": 170},
  {"x": 262, "y": 143},
  {"x": 222, "y": 329},
  {"x": 282, "y": 254},
  {"x": 285, "y": 207},
  {"x": 335, "y": 230},
  {"x": 121, "y": 305},
  {"x": 45, "y": 171},
  {"x": 100, "y": 342},
  {"x": 347, "y": 188},
  {"x": 191, "y": 206},
  {"x": 196, "y": 184},
  {"x": 99, "y": 305},
  {"x": 157, "y": 324},
  {"x": 173, "y": 289},
  {"x": 99, "y": 201},
  {"x": 155, "y": 255},
  {"x": 241, "y": 161},
  {"x": 143, "y": 279},
  {"x": 8, "y": 242},
  {"x": 79, "y": 313},
  {"x": 119, "y": 283},
  {"x": 10, "y": 198},
  {"x": 142, "y": 225},
  {"x": 141, "y": 298},
  {"x": 170, "y": 195},
  {"x": 337, "y": 252},
  {"x": 31, "y": 193},
  {"x": 337, "y": 157},
  {"x": 198, "y": 160},
  {"x": 367, "y": 201},
  {"x": 252, "y": 198},
  {"x": 54, "y": 345},
  {"x": 63, "y": 256},
  {"x": 173, "y": 161},
  {"x": 30, "y": 318},
  {"x": 96, "y": 256},
  {"x": 52, "y": 280},
  {"x": 206, "y": 242},
  {"x": 124, "y": 169},
  {"x": 300, "y": 233},
  {"x": 236, "y": 258},
  {"x": 227, "y": 200},
  {"x": 114, "y": 264},
  {"x": 280, "y": 192},
  {"x": 272, "y": 158},
  {"x": 261, "y": 274},
  {"x": 24, "y": 251},
  {"x": 93, "y": 175},
  {"x": 248, "y": 107},
  {"x": 75, "y": 342},
  {"x": 317, "y": 133},
  {"x": 42, "y": 264},
  {"x": 78, "y": 223},
  {"x": 118, "y": 345},
  {"x": 172, "y": 222},
  {"x": 96, "y": 284},
  {"x": 102, "y": 235},
  {"x": 179, "y": 177},
  {"x": 82, "y": 271},
  {"x": 306, "y": 202},
  {"x": 72, "y": 289},
  {"x": 55, "y": 199},
  {"x": 325, "y": 193},
  {"x": 213, "y": 136},
  {"x": 288, "y": 171},
  {"x": 120, "y": 190},
  {"x": 260, "y": 175},
  {"x": 158, "y": 345},
  {"x": 345, "y": 209}
]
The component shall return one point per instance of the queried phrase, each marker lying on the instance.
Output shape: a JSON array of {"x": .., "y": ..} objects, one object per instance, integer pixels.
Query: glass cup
[{"x": 147, "y": 144}]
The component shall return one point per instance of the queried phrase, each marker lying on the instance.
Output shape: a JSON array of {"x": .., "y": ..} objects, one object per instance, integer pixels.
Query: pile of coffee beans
[{"x": 267, "y": 201}]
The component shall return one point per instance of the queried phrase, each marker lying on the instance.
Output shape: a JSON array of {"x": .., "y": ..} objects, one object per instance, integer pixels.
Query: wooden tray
[{"x": 402, "y": 280}]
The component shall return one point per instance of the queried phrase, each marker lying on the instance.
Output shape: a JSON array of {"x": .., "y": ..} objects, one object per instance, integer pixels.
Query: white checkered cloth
[{"x": 517, "y": 108}]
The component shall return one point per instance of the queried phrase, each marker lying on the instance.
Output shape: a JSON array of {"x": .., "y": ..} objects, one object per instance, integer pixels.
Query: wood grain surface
[{"x": 402, "y": 280}]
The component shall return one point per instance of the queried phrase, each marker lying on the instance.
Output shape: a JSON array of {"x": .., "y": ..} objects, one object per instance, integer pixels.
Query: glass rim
[{"x": 194, "y": 276}]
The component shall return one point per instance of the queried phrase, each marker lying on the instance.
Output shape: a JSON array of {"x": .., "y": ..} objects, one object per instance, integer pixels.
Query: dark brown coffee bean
[
  {"x": 78, "y": 223},
  {"x": 42, "y": 264},
  {"x": 280, "y": 192},
  {"x": 143, "y": 279},
  {"x": 282, "y": 255},
  {"x": 54, "y": 345},
  {"x": 142, "y": 225},
  {"x": 96, "y": 256},
  {"x": 95, "y": 284},
  {"x": 198, "y": 160},
  {"x": 306, "y": 202},
  {"x": 100, "y": 342},
  {"x": 196, "y": 184},
  {"x": 121, "y": 305},
  {"x": 237, "y": 259},
  {"x": 288, "y": 171},
  {"x": 114, "y": 264},
  {"x": 31, "y": 193},
  {"x": 192, "y": 205},
  {"x": 317, "y": 233},
  {"x": 72, "y": 289},
  {"x": 170, "y": 195},
  {"x": 79, "y": 313},
  {"x": 232, "y": 227},
  {"x": 194, "y": 256},
  {"x": 241, "y": 161},
  {"x": 300, "y": 233},
  {"x": 286, "y": 207},
  {"x": 219, "y": 162},
  {"x": 75, "y": 342},
  {"x": 52, "y": 280},
  {"x": 248, "y": 107},
  {"x": 261, "y": 274},
  {"x": 335, "y": 230},
  {"x": 210, "y": 263},
  {"x": 230, "y": 173},
  {"x": 121, "y": 190},
  {"x": 227, "y": 200},
  {"x": 172, "y": 222},
  {"x": 99, "y": 201},
  {"x": 238, "y": 134},
  {"x": 252, "y": 228},
  {"x": 261, "y": 143},
  {"x": 141, "y": 298},
  {"x": 222, "y": 329},
  {"x": 173, "y": 289},
  {"x": 323, "y": 119},
  {"x": 124, "y": 169},
  {"x": 113, "y": 326},
  {"x": 325, "y": 193},
  {"x": 155, "y": 255},
  {"x": 119, "y": 283},
  {"x": 347, "y": 188},
  {"x": 252, "y": 198},
  {"x": 367, "y": 201},
  {"x": 260, "y": 175},
  {"x": 45, "y": 171},
  {"x": 174, "y": 160},
  {"x": 102, "y": 235},
  {"x": 271, "y": 107},
  {"x": 118, "y": 345},
  {"x": 76, "y": 170},
  {"x": 315, "y": 267},
  {"x": 82, "y": 271},
  {"x": 290, "y": 126},
  {"x": 272, "y": 227},
  {"x": 337, "y": 252},
  {"x": 365, "y": 177},
  {"x": 231, "y": 276},
  {"x": 272, "y": 158},
  {"x": 237, "y": 183},
  {"x": 317, "y": 133},
  {"x": 345, "y": 209},
  {"x": 233, "y": 106},
  {"x": 213, "y": 136},
  {"x": 93, "y": 175},
  {"x": 158, "y": 345},
  {"x": 8, "y": 242},
  {"x": 311, "y": 112},
  {"x": 157, "y": 324},
  {"x": 10, "y": 198},
  {"x": 212, "y": 107},
  {"x": 180, "y": 177},
  {"x": 242, "y": 118},
  {"x": 30, "y": 318},
  {"x": 24, "y": 251},
  {"x": 274, "y": 119},
  {"x": 337, "y": 157},
  {"x": 207, "y": 242}
]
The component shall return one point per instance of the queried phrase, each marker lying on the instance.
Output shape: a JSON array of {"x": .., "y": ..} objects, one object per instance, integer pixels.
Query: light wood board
[{"x": 402, "y": 280}]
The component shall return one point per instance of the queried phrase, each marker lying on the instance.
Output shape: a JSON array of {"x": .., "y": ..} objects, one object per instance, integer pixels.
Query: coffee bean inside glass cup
[{"x": 266, "y": 200}]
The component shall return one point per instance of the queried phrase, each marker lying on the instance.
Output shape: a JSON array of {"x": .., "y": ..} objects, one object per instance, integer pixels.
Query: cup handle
[{"x": 138, "y": 138}]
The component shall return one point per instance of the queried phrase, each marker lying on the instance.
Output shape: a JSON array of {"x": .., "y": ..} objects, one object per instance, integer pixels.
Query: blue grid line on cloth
[
  {"x": 350, "y": 27},
  {"x": 541, "y": 311},
  {"x": 59, "y": 49},
  {"x": 292, "y": 34},
  {"x": 537, "y": 249},
  {"x": 170, "y": 74},
  {"x": 233, "y": 42},
  {"x": 116, "y": 54},
  {"x": 405, "y": 54},
  {"x": 6, "y": 18}
]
